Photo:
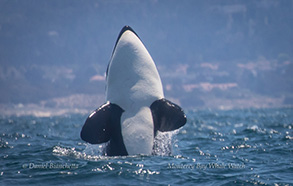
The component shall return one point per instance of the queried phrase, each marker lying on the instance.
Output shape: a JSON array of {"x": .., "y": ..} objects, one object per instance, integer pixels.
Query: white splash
[{"x": 163, "y": 143}]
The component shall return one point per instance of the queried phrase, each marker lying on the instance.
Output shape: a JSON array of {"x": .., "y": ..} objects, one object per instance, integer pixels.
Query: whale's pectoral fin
[
  {"x": 167, "y": 116},
  {"x": 98, "y": 126}
]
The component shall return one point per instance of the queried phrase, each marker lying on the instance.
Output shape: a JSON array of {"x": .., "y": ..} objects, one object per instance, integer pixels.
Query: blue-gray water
[{"x": 232, "y": 147}]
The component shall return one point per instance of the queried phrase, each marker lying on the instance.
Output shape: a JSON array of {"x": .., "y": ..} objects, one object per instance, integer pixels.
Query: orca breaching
[{"x": 136, "y": 108}]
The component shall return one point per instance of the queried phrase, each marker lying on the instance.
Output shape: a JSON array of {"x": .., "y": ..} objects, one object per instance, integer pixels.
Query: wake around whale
[{"x": 136, "y": 108}]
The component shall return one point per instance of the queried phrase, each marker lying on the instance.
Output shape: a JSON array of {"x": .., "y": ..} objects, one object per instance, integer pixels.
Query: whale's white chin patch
[
  {"x": 138, "y": 131},
  {"x": 132, "y": 72}
]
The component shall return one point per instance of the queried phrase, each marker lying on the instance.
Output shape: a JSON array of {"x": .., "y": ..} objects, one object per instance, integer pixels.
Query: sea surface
[{"x": 215, "y": 147}]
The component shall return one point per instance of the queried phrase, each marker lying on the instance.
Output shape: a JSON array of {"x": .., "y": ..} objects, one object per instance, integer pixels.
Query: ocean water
[{"x": 215, "y": 147}]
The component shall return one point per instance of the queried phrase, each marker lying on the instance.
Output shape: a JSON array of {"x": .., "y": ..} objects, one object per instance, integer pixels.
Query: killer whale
[{"x": 135, "y": 107}]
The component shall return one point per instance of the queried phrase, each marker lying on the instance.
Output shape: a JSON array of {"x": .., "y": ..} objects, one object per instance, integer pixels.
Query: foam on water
[{"x": 163, "y": 146}]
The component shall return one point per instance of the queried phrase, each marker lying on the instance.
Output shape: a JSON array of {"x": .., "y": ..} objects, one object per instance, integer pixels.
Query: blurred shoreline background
[{"x": 210, "y": 54}]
